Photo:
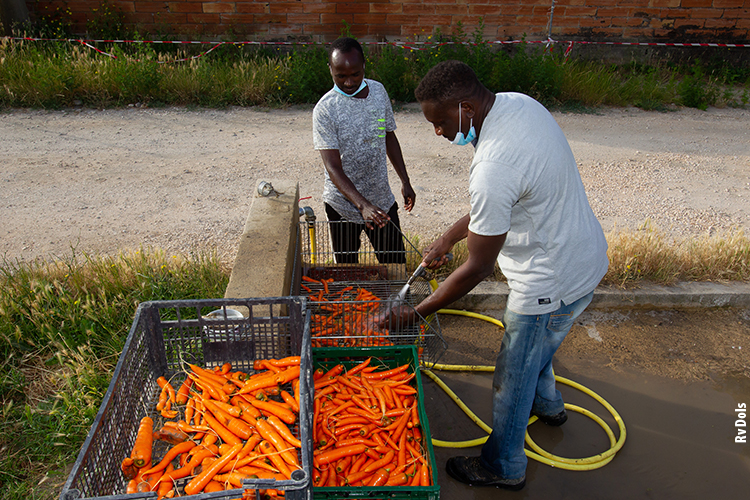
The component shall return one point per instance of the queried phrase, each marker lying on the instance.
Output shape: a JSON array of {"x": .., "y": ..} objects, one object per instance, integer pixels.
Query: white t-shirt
[
  {"x": 356, "y": 127},
  {"x": 524, "y": 182}
]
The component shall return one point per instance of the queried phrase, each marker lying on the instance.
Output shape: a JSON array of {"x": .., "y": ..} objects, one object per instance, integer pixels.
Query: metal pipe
[{"x": 310, "y": 217}]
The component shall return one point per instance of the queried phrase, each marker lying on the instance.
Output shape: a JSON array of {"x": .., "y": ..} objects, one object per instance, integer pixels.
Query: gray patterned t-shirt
[{"x": 356, "y": 127}]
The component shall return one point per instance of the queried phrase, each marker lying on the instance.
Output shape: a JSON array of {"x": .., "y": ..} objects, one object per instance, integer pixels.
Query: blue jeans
[{"x": 524, "y": 382}]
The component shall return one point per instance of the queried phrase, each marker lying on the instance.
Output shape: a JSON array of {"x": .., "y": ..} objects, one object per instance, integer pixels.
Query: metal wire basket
[{"x": 346, "y": 299}]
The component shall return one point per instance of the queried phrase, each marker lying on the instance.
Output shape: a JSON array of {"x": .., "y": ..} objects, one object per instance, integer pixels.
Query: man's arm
[
  {"x": 335, "y": 169},
  {"x": 393, "y": 150},
  {"x": 483, "y": 252}
]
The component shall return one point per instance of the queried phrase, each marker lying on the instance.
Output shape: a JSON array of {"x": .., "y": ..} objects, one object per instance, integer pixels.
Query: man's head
[
  {"x": 448, "y": 95},
  {"x": 346, "y": 61}
]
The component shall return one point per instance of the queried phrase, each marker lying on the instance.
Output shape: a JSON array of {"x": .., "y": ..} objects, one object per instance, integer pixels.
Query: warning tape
[{"x": 426, "y": 45}]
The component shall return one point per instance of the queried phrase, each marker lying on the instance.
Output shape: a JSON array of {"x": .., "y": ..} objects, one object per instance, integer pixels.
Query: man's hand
[
  {"x": 435, "y": 255},
  {"x": 373, "y": 215},
  {"x": 397, "y": 318},
  {"x": 409, "y": 196}
]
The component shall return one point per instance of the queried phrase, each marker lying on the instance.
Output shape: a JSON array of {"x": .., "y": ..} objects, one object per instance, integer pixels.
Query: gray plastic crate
[{"x": 166, "y": 335}]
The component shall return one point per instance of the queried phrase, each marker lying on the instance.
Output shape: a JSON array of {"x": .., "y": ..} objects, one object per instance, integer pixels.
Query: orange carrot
[
  {"x": 128, "y": 468},
  {"x": 269, "y": 433},
  {"x": 278, "y": 462},
  {"x": 201, "y": 480},
  {"x": 285, "y": 415},
  {"x": 383, "y": 462},
  {"x": 164, "y": 487},
  {"x": 379, "y": 478},
  {"x": 225, "y": 434},
  {"x": 337, "y": 453},
  {"x": 424, "y": 475},
  {"x": 289, "y": 399},
  {"x": 141, "y": 453},
  {"x": 284, "y": 431},
  {"x": 171, "y": 454},
  {"x": 165, "y": 385},
  {"x": 170, "y": 435}
]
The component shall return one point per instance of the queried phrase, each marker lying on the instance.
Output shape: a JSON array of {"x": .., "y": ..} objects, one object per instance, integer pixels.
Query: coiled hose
[{"x": 538, "y": 454}]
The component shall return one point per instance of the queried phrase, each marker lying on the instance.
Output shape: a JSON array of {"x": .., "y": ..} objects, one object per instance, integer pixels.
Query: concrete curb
[{"x": 492, "y": 296}]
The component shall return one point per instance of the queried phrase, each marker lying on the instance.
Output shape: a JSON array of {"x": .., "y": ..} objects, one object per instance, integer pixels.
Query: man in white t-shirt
[
  {"x": 530, "y": 214},
  {"x": 354, "y": 130}
]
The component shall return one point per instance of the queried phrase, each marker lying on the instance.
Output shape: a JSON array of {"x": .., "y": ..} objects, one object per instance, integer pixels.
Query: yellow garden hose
[{"x": 538, "y": 454}]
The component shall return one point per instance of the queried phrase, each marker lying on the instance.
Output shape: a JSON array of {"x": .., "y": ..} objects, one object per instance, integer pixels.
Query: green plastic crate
[{"x": 388, "y": 357}]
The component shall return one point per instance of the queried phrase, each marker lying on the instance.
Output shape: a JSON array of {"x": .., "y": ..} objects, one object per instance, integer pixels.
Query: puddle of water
[{"x": 680, "y": 437}]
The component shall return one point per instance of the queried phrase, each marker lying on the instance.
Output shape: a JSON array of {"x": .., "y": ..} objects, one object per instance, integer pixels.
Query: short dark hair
[
  {"x": 344, "y": 45},
  {"x": 448, "y": 81}
]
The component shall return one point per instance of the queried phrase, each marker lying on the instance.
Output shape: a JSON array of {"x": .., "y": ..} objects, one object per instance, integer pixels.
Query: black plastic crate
[
  {"x": 386, "y": 357},
  {"x": 164, "y": 337}
]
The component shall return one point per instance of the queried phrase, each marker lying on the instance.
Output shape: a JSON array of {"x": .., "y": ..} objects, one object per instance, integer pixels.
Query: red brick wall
[{"x": 321, "y": 20}]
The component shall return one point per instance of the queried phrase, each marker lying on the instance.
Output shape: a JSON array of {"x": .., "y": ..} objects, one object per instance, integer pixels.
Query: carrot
[
  {"x": 337, "y": 453},
  {"x": 213, "y": 486},
  {"x": 128, "y": 468},
  {"x": 289, "y": 399},
  {"x": 165, "y": 385},
  {"x": 208, "y": 374},
  {"x": 383, "y": 462},
  {"x": 284, "y": 431},
  {"x": 285, "y": 415},
  {"x": 249, "y": 412},
  {"x": 141, "y": 453},
  {"x": 164, "y": 487},
  {"x": 225, "y": 434},
  {"x": 198, "y": 454},
  {"x": 229, "y": 408},
  {"x": 379, "y": 478},
  {"x": 253, "y": 384},
  {"x": 424, "y": 475},
  {"x": 213, "y": 390},
  {"x": 170, "y": 435},
  {"x": 201, "y": 480},
  {"x": 398, "y": 479},
  {"x": 269, "y": 433},
  {"x": 278, "y": 462},
  {"x": 385, "y": 373},
  {"x": 171, "y": 454},
  {"x": 163, "y": 399},
  {"x": 234, "y": 425}
]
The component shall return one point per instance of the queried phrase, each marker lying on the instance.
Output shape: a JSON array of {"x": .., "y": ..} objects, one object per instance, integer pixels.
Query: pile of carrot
[
  {"x": 222, "y": 427},
  {"x": 346, "y": 317},
  {"x": 366, "y": 428}
]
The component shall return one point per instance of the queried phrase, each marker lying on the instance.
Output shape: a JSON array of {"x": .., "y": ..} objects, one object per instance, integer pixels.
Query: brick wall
[{"x": 321, "y": 20}]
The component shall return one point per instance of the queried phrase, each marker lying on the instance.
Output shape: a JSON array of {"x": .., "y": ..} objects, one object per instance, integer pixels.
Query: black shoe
[
  {"x": 470, "y": 471},
  {"x": 555, "y": 420}
]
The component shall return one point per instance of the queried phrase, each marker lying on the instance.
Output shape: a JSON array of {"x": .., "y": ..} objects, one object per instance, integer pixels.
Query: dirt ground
[
  {"x": 100, "y": 181},
  {"x": 180, "y": 179}
]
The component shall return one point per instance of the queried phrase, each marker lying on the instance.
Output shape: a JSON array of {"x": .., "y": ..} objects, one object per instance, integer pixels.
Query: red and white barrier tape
[{"x": 406, "y": 45}]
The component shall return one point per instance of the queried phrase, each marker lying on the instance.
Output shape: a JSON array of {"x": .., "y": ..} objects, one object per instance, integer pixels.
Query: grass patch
[
  {"x": 62, "y": 326},
  {"x": 646, "y": 255},
  {"x": 54, "y": 75}
]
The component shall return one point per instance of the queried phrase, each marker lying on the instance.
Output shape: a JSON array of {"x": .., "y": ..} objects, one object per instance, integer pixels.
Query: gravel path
[{"x": 100, "y": 181}]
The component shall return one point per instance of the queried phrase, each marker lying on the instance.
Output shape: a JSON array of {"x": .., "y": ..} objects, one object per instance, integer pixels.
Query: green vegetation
[
  {"x": 56, "y": 74},
  {"x": 63, "y": 324}
]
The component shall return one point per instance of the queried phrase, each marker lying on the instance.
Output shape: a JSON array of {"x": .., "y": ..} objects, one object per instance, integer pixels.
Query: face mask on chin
[
  {"x": 460, "y": 140},
  {"x": 361, "y": 87}
]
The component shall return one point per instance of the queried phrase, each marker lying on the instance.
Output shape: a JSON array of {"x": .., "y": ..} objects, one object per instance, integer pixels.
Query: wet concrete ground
[{"x": 680, "y": 434}]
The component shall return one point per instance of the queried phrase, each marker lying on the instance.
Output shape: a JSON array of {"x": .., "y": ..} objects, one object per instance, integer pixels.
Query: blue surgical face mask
[
  {"x": 460, "y": 140},
  {"x": 362, "y": 86}
]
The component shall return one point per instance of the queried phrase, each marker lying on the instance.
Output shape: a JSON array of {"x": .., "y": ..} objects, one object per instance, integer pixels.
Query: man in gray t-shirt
[{"x": 354, "y": 130}]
